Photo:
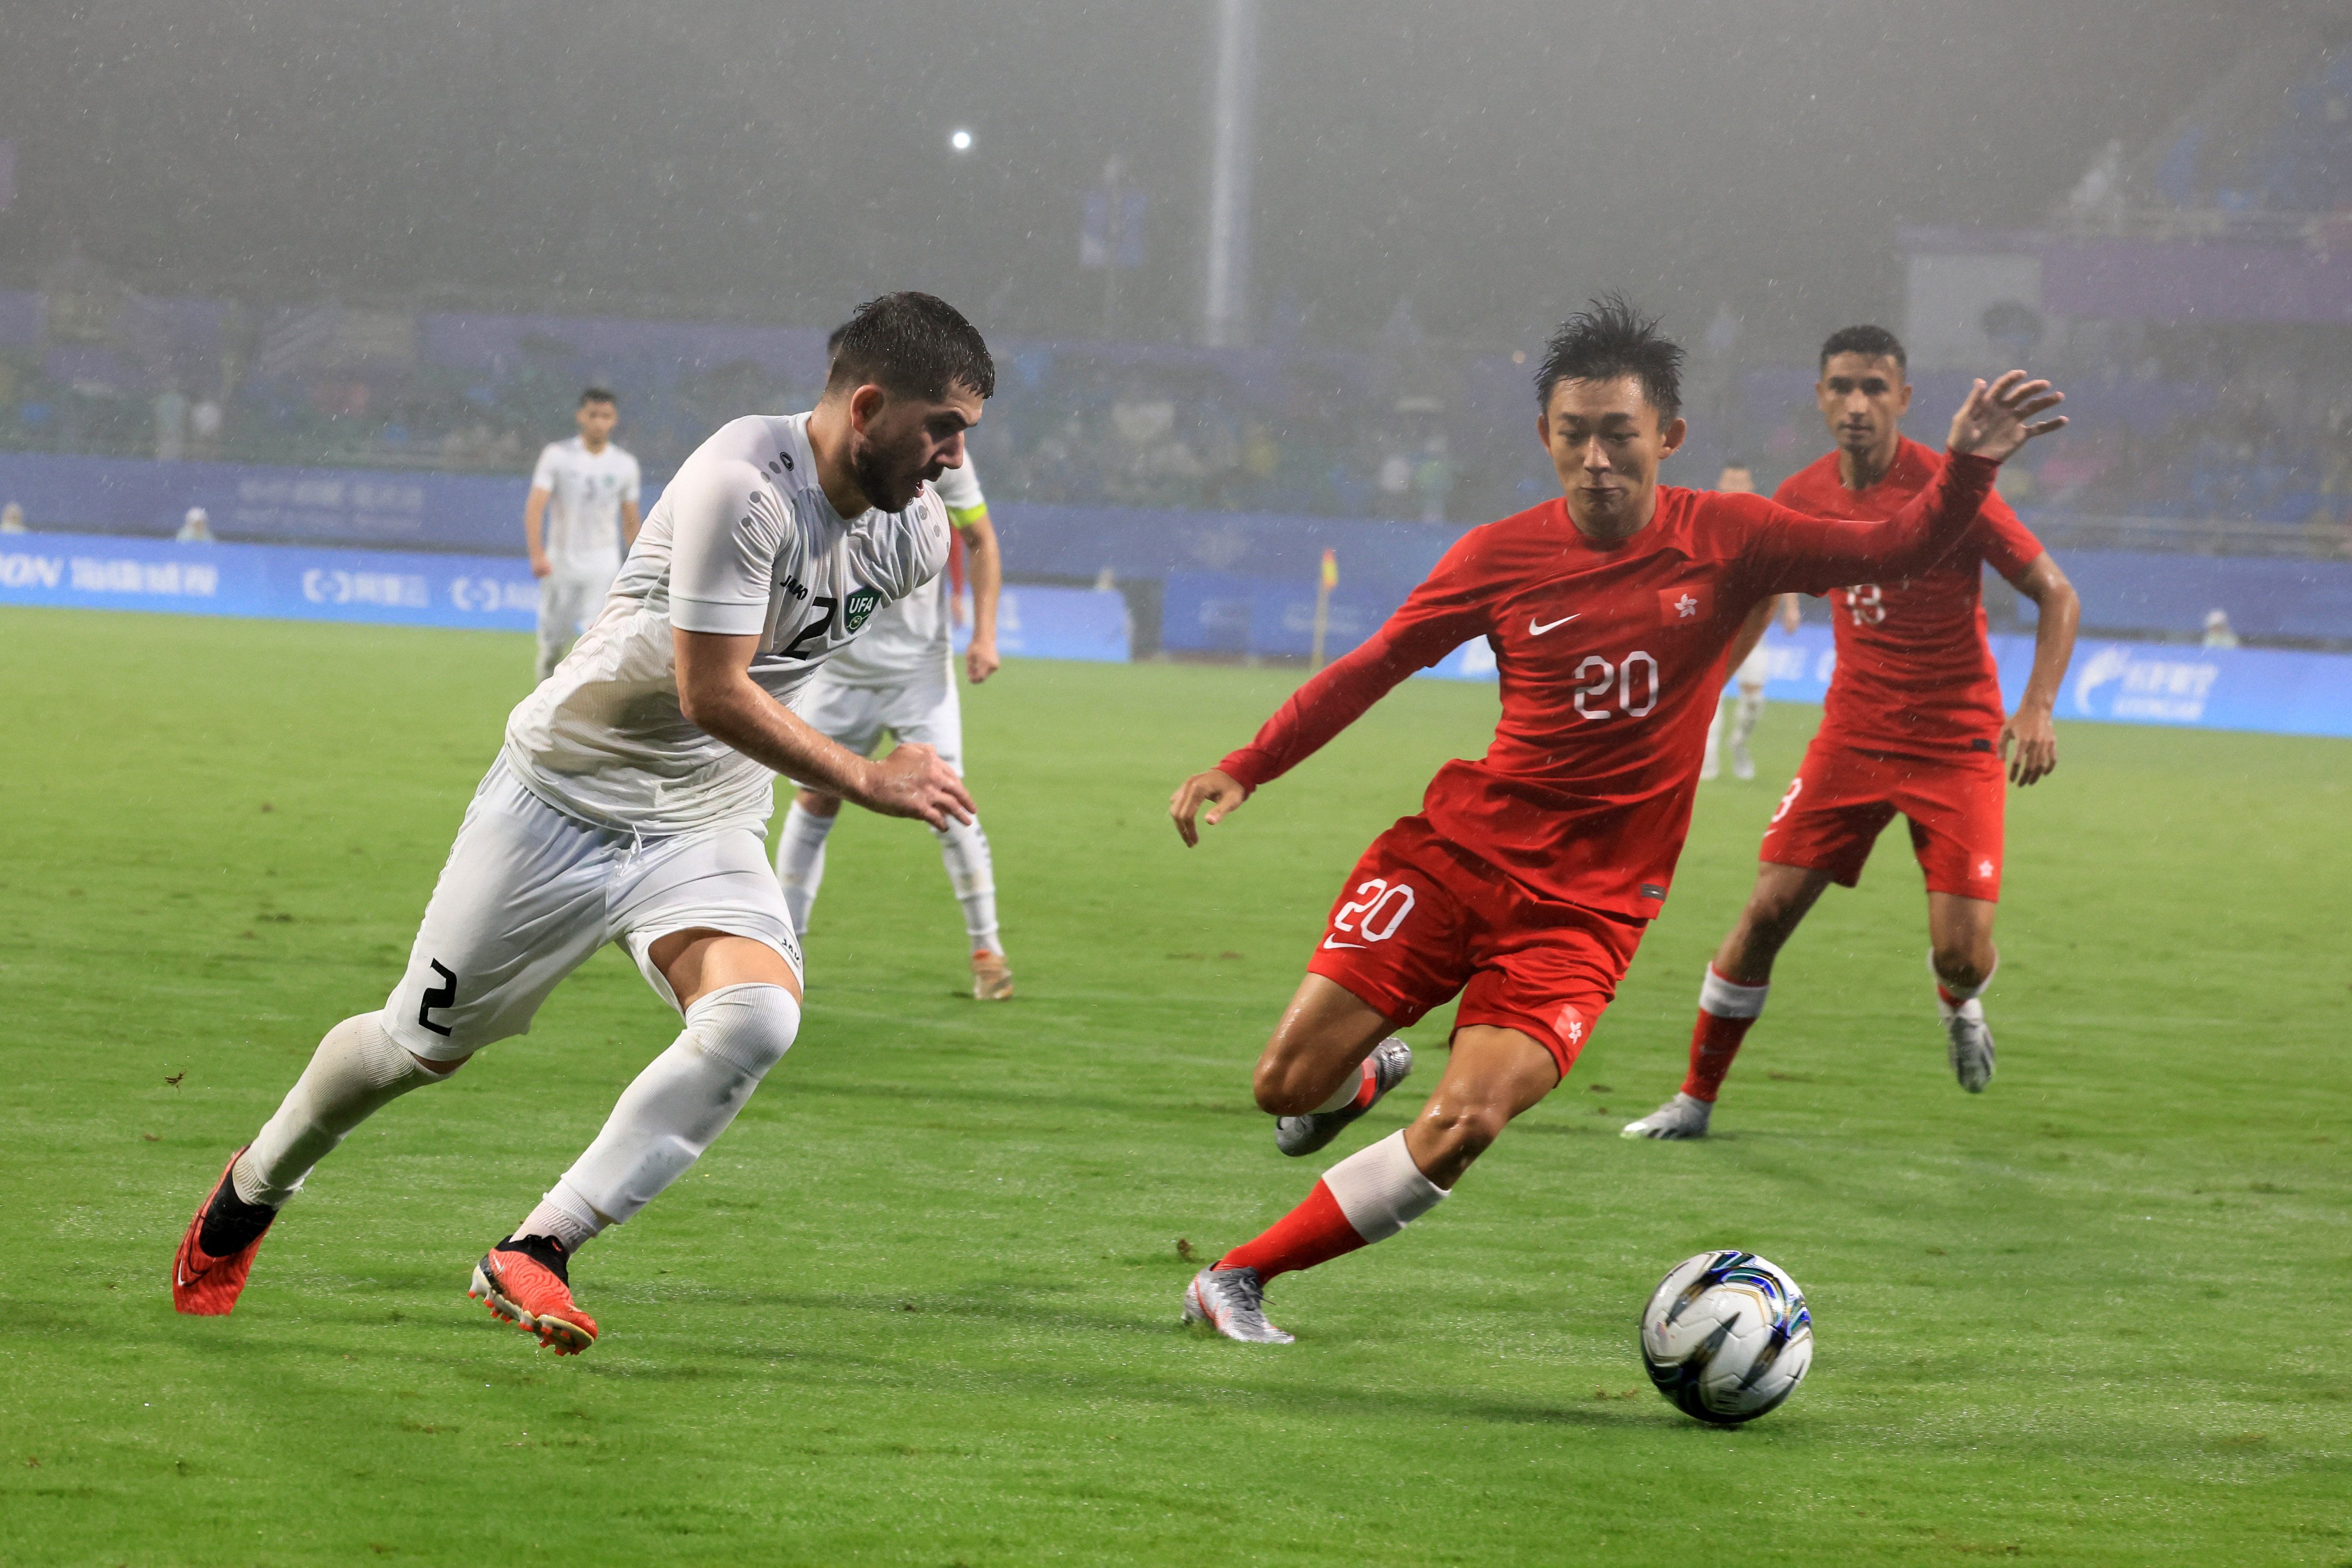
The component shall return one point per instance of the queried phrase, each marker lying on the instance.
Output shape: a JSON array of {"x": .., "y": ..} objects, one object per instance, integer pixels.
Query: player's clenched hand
[
  {"x": 1997, "y": 420},
  {"x": 541, "y": 566},
  {"x": 979, "y": 661},
  {"x": 1219, "y": 791},
  {"x": 912, "y": 782},
  {"x": 2029, "y": 743}
]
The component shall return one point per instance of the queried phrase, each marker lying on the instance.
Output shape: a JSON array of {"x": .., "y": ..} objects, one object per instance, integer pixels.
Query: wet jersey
[
  {"x": 1914, "y": 673},
  {"x": 910, "y": 637},
  {"x": 744, "y": 543},
  {"x": 1610, "y": 659}
]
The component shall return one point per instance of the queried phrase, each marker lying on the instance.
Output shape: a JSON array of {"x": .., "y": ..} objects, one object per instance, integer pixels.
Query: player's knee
[
  {"x": 1964, "y": 964},
  {"x": 1459, "y": 1131},
  {"x": 1282, "y": 1087},
  {"x": 749, "y": 1028}
]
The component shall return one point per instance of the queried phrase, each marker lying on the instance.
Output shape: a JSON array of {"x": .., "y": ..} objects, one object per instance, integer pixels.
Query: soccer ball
[{"x": 1727, "y": 1336}]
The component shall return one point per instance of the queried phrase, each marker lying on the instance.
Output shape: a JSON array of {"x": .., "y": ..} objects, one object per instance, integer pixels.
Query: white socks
[
  {"x": 356, "y": 1071},
  {"x": 800, "y": 861},
  {"x": 1381, "y": 1190},
  {"x": 1745, "y": 710},
  {"x": 1959, "y": 995},
  {"x": 1727, "y": 999},
  {"x": 674, "y": 1111},
  {"x": 963, "y": 848}
]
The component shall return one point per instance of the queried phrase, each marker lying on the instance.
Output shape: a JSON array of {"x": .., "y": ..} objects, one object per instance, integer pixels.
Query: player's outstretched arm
[
  {"x": 718, "y": 696},
  {"x": 1811, "y": 555},
  {"x": 1450, "y": 607},
  {"x": 1219, "y": 791},
  {"x": 1997, "y": 421}
]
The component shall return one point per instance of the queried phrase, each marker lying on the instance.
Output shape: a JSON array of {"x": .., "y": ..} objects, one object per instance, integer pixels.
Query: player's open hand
[
  {"x": 2029, "y": 744},
  {"x": 1219, "y": 791},
  {"x": 912, "y": 782},
  {"x": 1997, "y": 420},
  {"x": 979, "y": 661}
]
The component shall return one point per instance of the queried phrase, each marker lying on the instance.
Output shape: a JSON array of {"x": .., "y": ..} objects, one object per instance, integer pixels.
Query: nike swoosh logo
[
  {"x": 1537, "y": 628},
  {"x": 1328, "y": 942}
]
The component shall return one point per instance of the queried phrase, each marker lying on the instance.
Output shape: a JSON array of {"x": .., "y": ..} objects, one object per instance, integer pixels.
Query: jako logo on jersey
[
  {"x": 861, "y": 603},
  {"x": 1684, "y": 606}
]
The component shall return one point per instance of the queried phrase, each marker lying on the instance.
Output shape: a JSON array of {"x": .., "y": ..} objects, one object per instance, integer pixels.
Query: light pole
[{"x": 1233, "y": 114}]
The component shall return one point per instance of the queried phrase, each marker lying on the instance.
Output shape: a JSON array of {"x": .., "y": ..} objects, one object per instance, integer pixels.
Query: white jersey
[
  {"x": 742, "y": 543},
  {"x": 584, "y": 493},
  {"x": 910, "y": 637}
]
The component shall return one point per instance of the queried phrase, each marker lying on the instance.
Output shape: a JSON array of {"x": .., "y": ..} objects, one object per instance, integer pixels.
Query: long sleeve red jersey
[
  {"x": 1610, "y": 657},
  {"x": 1914, "y": 673}
]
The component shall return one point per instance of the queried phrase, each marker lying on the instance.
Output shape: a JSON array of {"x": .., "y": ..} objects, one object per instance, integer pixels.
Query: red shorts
[
  {"x": 1842, "y": 797},
  {"x": 1422, "y": 919}
]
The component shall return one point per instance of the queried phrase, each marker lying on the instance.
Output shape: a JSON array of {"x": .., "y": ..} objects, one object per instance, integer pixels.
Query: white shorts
[
  {"x": 529, "y": 893},
  {"x": 925, "y": 711},
  {"x": 569, "y": 598},
  {"x": 1756, "y": 668}
]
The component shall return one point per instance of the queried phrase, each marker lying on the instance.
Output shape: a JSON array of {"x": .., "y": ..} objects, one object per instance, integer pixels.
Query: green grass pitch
[{"x": 919, "y": 1306}]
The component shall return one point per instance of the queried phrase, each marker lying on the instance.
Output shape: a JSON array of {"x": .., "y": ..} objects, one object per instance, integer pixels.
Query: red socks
[
  {"x": 1725, "y": 1013},
  {"x": 1317, "y": 1231}
]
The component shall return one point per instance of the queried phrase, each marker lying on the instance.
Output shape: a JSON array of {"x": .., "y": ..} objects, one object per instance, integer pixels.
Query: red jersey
[
  {"x": 1914, "y": 673},
  {"x": 1612, "y": 658}
]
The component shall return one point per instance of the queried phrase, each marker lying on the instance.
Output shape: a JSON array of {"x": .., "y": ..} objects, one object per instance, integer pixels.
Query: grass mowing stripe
[{"x": 919, "y": 1305}]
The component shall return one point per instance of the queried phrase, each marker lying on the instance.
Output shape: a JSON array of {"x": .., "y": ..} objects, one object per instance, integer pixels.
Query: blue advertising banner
[
  {"x": 272, "y": 582},
  {"x": 269, "y": 582},
  {"x": 249, "y": 501},
  {"x": 1089, "y": 623},
  {"x": 2272, "y": 690}
]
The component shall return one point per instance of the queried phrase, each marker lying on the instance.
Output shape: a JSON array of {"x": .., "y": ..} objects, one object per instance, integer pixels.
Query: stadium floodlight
[{"x": 960, "y": 139}]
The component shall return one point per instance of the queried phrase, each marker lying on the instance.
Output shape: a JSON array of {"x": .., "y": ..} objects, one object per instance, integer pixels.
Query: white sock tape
[
  {"x": 1381, "y": 1190},
  {"x": 1726, "y": 1000}
]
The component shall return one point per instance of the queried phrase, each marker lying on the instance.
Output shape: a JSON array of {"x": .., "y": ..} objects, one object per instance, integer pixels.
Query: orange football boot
[
  {"x": 526, "y": 1283},
  {"x": 205, "y": 1286}
]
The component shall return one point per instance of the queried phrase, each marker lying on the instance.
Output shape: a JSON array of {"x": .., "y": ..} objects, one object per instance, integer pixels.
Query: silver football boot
[
  {"x": 1968, "y": 1042},
  {"x": 1233, "y": 1302},
  {"x": 1681, "y": 1117},
  {"x": 1390, "y": 1060}
]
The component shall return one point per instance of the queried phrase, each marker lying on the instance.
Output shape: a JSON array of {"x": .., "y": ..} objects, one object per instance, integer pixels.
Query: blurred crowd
[{"x": 1407, "y": 429}]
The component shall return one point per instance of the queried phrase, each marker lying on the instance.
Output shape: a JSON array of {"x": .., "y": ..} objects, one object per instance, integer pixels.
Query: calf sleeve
[
  {"x": 678, "y": 1107},
  {"x": 800, "y": 861},
  {"x": 358, "y": 1069},
  {"x": 963, "y": 849}
]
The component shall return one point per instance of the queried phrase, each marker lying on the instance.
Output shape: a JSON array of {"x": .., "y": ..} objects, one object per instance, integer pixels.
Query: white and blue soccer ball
[{"x": 1727, "y": 1336}]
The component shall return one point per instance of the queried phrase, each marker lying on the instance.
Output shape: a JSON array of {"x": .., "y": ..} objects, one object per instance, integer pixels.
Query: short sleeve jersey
[
  {"x": 911, "y": 638},
  {"x": 1914, "y": 673},
  {"x": 742, "y": 544},
  {"x": 584, "y": 493},
  {"x": 1610, "y": 658}
]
